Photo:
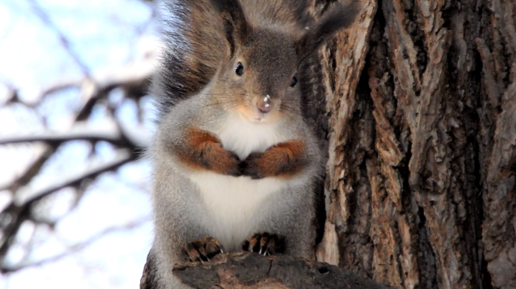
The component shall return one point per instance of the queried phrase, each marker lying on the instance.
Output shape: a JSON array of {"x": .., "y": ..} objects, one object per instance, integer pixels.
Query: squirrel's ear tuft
[
  {"x": 338, "y": 16},
  {"x": 235, "y": 24}
]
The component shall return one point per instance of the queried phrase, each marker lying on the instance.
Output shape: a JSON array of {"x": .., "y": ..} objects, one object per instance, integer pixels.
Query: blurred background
[{"x": 75, "y": 118}]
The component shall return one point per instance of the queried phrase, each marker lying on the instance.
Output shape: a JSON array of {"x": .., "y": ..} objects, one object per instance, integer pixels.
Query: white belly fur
[{"x": 233, "y": 203}]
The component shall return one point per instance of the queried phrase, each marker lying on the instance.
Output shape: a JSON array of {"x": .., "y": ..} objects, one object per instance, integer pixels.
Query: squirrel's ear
[
  {"x": 338, "y": 16},
  {"x": 236, "y": 28}
]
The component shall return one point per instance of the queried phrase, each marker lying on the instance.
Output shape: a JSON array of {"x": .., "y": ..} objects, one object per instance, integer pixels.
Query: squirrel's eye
[
  {"x": 239, "y": 69},
  {"x": 293, "y": 82}
]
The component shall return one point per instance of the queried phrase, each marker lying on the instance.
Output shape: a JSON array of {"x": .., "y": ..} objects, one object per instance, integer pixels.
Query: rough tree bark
[
  {"x": 421, "y": 100},
  {"x": 245, "y": 270},
  {"x": 421, "y": 174}
]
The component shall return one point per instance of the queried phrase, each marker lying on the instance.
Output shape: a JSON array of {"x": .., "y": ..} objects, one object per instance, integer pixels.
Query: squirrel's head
[{"x": 258, "y": 77}]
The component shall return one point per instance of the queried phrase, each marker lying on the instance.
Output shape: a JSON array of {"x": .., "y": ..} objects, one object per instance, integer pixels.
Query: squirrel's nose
[{"x": 264, "y": 105}]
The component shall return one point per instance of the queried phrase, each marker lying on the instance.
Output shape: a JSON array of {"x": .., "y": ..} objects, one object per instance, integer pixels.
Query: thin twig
[{"x": 77, "y": 247}]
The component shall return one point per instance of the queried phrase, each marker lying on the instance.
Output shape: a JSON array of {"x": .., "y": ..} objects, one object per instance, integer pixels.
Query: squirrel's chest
[
  {"x": 233, "y": 203},
  {"x": 243, "y": 138}
]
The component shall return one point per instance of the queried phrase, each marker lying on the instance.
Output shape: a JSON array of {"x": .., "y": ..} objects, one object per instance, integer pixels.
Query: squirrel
[{"x": 234, "y": 162}]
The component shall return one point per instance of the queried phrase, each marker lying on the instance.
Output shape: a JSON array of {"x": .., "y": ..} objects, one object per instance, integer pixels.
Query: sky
[{"x": 101, "y": 35}]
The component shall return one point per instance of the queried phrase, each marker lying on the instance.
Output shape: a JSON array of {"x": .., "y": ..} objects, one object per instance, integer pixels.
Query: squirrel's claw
[
  {"x": 202, "y": 250},
  {"x": 265, "y": 244}
]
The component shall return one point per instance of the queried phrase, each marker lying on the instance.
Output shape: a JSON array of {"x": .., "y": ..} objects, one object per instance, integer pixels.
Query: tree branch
[
  {"x": 62, "y": 38},
  {"x": 18, "y": 213},
  {"x": 250, "y": 270},
  {"x": 112, "y": 132},
  {"x": 79, "y": 246}
]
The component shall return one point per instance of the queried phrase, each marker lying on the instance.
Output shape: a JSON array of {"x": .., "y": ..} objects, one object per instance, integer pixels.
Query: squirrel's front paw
[
  {"x": 251, "y": 167},
  {"x": 234, "y": 167},
  {"x": 202, "y": 250},
  {"x": 265, "y": 244}
]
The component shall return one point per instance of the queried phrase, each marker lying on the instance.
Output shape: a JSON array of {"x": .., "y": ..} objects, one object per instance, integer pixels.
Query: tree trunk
[{"x": 420, "y": 188}]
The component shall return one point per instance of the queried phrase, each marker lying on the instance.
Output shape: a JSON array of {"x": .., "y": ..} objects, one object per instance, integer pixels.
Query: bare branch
[
  {"x": 113, "y": 133},
  {"x": 62, "y": 38},
  {"x": 77, "y": 247},
  {"x": 55, "y": 139},
  {"x": 17, "y": 213},
  {"x": 31, "y": 170}
]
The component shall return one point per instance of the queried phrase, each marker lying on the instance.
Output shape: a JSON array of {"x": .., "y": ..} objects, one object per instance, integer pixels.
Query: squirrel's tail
[{"x": 193, "y": 36}]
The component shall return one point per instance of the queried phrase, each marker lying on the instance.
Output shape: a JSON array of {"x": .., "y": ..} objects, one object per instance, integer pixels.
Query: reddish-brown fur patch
[
  {"x": 284, "y": 160},
  {"x": 203, "y": 151}
]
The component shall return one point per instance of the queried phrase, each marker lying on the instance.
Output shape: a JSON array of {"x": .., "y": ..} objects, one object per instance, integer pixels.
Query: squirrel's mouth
[{"x": 260, "y": 118}]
